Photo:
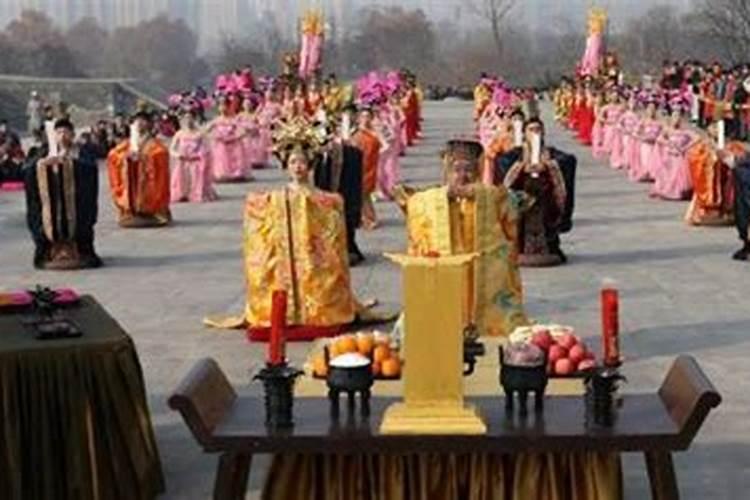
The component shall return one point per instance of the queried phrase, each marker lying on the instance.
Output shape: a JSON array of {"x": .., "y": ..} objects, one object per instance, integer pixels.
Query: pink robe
[
  {"x": 389, "y": 164},
  {"x": 227, "y": 150},
  {"x": 597, "y": 140},
  {"x": 622, "y": 148},
  {"x": 592, "y": 57},
  {"x": 610, "y": 114},
  {"x": 673, "y": 181},
  {"x": 269, "y": 113},
  {"x": 254, "y": 147},
  {"x": 649, "y": 161},
  {"x": 192, "y": 179}
]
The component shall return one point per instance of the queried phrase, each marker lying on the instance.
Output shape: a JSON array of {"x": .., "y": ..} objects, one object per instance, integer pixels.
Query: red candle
[
  {"x": 278, "y": 325},
  {"x": 610, "y": 324}
]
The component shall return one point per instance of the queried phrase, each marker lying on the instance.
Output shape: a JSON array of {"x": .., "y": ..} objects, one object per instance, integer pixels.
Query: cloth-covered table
[
  {"x": 75, "y": 422},
  {"x": 422, "y": 474}
]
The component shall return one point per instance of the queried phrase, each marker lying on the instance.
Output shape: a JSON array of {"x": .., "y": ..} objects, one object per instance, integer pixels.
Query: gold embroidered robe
[{"x": 487, "y": 225}]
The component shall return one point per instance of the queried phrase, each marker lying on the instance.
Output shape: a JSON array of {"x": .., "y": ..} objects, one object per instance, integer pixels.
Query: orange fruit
[
  {"x": 365, "y": 344},
  {"x": 320, "y": 368},
  {"x": 346, "y": 344},
  {"x": 391, "y": 367},
  {"x": 333, "y": 350},
  {"x": 381, "y": 353},
  {"x": 376, "y": 368}
]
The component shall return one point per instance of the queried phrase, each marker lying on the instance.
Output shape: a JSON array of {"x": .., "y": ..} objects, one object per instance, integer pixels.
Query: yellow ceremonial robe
[
  {"x": 487, "y": 225},
  {"x": 295, "y": 240}
]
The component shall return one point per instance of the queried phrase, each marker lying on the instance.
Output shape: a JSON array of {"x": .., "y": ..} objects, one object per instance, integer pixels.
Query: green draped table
[{"x": 75, "y": 422}]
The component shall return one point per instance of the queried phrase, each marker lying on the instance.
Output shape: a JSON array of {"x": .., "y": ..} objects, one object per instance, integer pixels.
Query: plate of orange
[{"x": 376, "y": 346}]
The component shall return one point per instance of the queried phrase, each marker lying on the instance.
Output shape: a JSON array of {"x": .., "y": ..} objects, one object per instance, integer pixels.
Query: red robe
[
  {"x": 585, "y": 124},
  {"x": 411, "y": 113}
]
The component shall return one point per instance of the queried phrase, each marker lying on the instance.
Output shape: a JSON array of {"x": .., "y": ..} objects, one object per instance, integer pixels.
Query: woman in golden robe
[
  {"x": 139, "y": 177},
  {"x": 295, "y": 240},
  {"x": 466, "y": 216},
  {"x": 713, "y": 183}
]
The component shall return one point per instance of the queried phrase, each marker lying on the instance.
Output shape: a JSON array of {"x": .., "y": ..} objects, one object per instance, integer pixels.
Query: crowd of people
[
  {"x": 341, "y": 146},
  {"x": 717, "y": 93},
  {"x": 681, "y": 134}
]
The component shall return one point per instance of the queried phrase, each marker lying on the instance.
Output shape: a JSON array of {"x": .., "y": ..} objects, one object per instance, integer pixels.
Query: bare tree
[
  {"x": 728, "y": 22},
  {"x": 494, "y": 12}
]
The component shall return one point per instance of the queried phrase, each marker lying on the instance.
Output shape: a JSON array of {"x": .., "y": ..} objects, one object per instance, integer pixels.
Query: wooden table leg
[
  {"x": 661, "y": 476},
  {"x": 231, "y": 476}
]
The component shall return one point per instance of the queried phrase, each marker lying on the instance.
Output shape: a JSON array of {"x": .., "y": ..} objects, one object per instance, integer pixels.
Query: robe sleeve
[
  {"x": 87, "y": 192},
  {"x": 503, "y": 164},
  {"x": 33, "y": 202},
  {"x": 117, "y": 186}
]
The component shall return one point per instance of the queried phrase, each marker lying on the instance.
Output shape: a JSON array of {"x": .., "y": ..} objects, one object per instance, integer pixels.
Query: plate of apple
[{"x": 567, "y": 355}]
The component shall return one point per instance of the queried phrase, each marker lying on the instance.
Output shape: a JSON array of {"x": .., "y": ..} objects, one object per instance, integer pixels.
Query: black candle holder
[
  {"x": 601, "y": 387},
  {"x": 278, "y": 384}
]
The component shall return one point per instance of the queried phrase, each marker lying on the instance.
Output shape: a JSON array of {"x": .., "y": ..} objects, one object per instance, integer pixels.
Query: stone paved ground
[{"x": 681, "y": 293}]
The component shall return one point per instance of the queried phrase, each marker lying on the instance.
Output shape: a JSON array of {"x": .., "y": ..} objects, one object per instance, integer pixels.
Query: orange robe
[
  {"x": 713, "y": 185},
  {"x": 500, "y": 145},
  {"x": 369, "y": 144},
  {"x": 140, "y": 188}
]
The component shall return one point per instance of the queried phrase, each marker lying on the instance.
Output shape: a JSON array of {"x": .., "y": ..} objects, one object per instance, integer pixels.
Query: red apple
[
  {"x": 577, "y": 353},
  {"x": 543, "y": 340},
  {"x": 568, "y": 340},
  {"x": 556, "y": 353},
  {"x": 586, "y": 365},
  {"x": 564, "y": 367}
]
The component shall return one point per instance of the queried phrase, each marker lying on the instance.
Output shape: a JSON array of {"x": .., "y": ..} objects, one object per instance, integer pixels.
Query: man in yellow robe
[
  {"x": 465, "y": 216},
  {"x": 139, "y": 177}
]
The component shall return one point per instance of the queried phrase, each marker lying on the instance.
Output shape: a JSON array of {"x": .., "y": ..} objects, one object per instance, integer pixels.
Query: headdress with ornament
[
  {"x": 313, "y": 22},
  {"x": 374, "y": 89},
  {"x": 296, "y": 135},
  {"x": 680, "y": 100},
  {"x": 650, "y": 96},
  {"x": 597, "y": 20},
  {"x": 186, "y": 102},
  {"x": 502, "y": 95}
]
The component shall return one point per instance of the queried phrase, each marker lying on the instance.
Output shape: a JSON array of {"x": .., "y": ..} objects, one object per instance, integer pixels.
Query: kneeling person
[
  {"x": 62, "y": 192},
  {"x": 139, "y": 177},
  {"x": 295, "y": 240},
  {"x": 541, "y": 180},
  {"x": 464, "y": 217}
]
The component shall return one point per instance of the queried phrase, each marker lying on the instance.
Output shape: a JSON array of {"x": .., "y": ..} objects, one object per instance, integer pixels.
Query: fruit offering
[
  {"x": 523, "y": 354},
  {"x": 567, "y": 354},
  {"x": 375, "y": 346}
]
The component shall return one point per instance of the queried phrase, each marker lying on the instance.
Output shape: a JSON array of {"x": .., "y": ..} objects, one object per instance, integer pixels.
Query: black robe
[
  {"x": 742, "y": 197},
  {"x": 10, "y": 171},
  {"x": 567, "y": 164},
  {"x": 340, "y": 171},
  {"x": 61, "y": 211}
]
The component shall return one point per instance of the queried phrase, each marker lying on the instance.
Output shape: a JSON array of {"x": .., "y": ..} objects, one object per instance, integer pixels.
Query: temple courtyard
[{"x": 680, "y": 293}]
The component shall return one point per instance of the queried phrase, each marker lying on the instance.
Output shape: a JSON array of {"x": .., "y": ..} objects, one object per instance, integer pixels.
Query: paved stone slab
[{"x": 680, "y": 293}]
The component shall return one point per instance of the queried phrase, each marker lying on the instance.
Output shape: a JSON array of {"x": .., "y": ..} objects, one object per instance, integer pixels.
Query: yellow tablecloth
[{"x": 423, "y": 476}]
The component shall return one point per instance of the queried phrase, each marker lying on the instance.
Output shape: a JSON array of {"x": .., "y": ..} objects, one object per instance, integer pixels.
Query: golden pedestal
[{"x": 434, "y": 291}]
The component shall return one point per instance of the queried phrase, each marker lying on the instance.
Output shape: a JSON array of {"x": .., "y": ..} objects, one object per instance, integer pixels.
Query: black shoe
[
  {"x": 355, "y": 258},
  {"x": 742, "y": 254},
  {"x": 91, "y": 261}
]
